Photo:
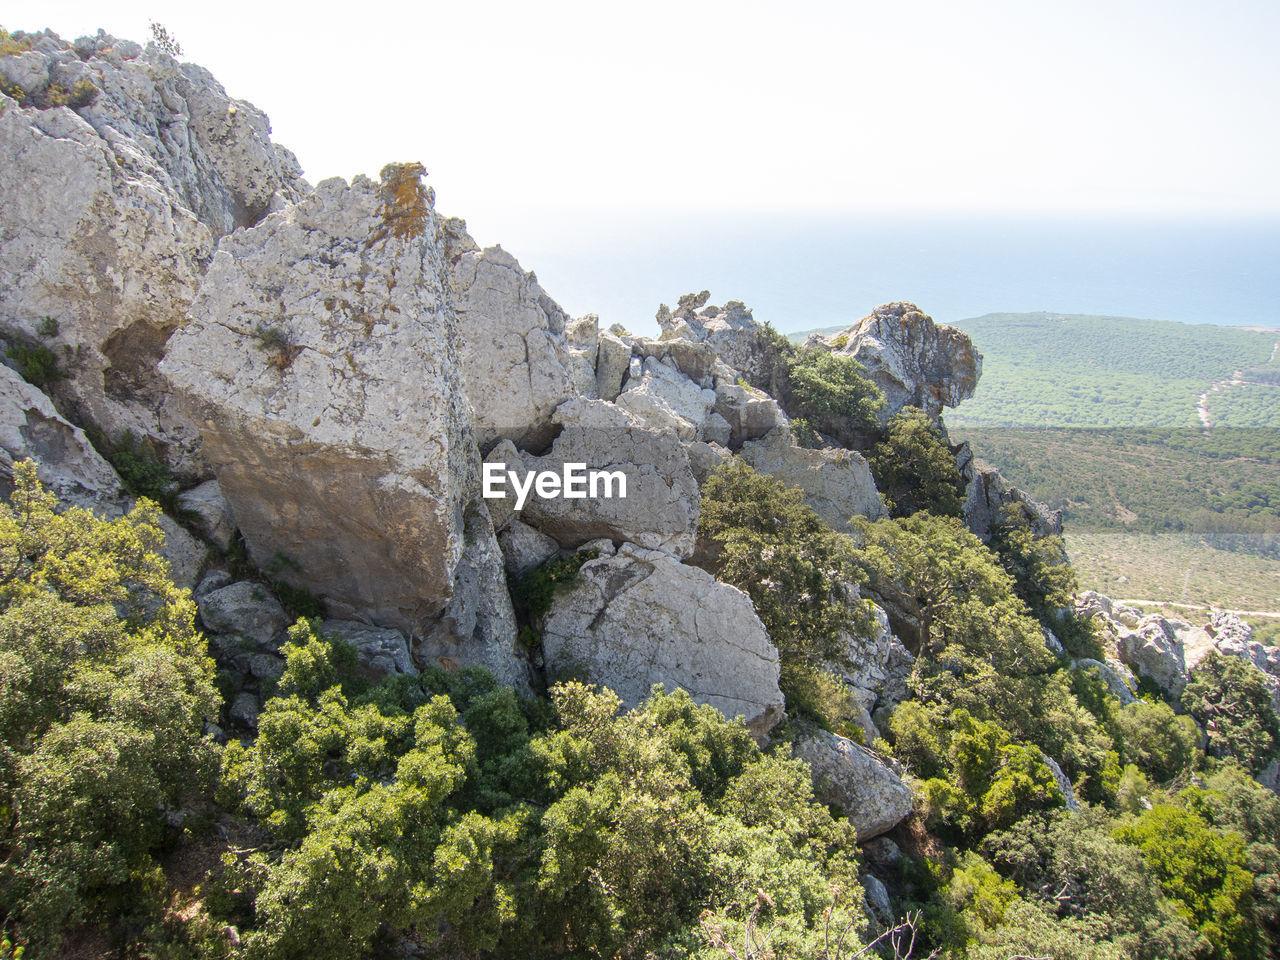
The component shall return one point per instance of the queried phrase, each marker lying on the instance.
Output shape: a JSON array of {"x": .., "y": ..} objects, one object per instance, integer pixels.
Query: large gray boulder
[
  {"x": 660, "y": 510},
  {"x": 245, "y": 609},
  {"x": 1155, "y": 651},
  {"x": 851, "y": 777},
  {"x": 67, "y": 464},
  {"x": 836, "y": 483},
  {"x": 516, "y": 365},
  {"x": 641, "y": 617},
  {"x": 380, "y": 651},
  {"x": 664, "y": 398},
  {"x": 319, "y": 362},
  {"x": 913, "y": 360},
  {"x": 109, "y": 214}
]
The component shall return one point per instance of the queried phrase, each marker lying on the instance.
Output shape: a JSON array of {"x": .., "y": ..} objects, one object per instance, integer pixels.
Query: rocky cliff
[{"x": 326, "y": 370}]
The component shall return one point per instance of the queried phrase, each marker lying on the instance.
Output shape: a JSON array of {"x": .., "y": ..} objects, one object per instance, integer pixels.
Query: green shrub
[
  {"x": 143, "y": 472},
  {"x": 764, "y": 539},
  {"x": 1230, "y": 698},
  {"x": 1162, "y": 744},
  {"x": 37, "y": 364},
  {"x": 1202, "y": 870},
  {"x": 442, "y": 804},
  {"x": 805, "y": 435},
  {"x": 106, "y": 690},
  {"x": 534, "y": 591},
  {"x": 915, "y": 469},
  {"x": 830, "y": 389}
]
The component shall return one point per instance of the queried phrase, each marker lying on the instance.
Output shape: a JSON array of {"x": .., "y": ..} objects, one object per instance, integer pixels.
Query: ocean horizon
[{"x": 803, "y": 272}]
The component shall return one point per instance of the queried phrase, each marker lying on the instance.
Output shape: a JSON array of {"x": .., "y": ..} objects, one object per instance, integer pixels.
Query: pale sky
[{"x": 552, "y": 112}]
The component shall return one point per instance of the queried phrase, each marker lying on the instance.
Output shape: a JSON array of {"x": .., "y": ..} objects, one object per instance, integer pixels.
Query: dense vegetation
[
  {"x": 442, "y": 813},
  {"x": 1042, "y": 369},
  {"x": 105, "y": 687}
]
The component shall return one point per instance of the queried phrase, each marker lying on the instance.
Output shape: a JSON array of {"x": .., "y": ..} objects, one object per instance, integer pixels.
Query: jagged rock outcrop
[
  {"x": 987, "y": 493},
  {"x": 109, "y": 213},
  {"x": 319, "y": 361},
  {"x": 851, "y": 777},
  {"x": 836, "y": 483},
  {"x": 730, "y": 331},
  {"x": 914, "y": 361},
  {"x": 478, "y": 625},
  {"x": 666, "y": 399},
  {"x": 1155, "y": 651},
  {"x": 244, "y": 609},
  {"x": 879, "y": 664},
  {"x": 516, "y": 365},
  {"x": 660, "y": 510},
  {"x": 641, "y": 617},
  {"x": 1168, "y": 649},
  {"x": 67, "y": 464}
]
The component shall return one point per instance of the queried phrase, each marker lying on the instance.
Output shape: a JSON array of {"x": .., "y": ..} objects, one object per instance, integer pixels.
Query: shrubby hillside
[{"x": 278, "y": 681}]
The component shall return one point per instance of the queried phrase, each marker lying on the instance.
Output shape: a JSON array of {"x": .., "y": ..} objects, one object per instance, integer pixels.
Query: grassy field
[{"x": 1174, "y": 567}]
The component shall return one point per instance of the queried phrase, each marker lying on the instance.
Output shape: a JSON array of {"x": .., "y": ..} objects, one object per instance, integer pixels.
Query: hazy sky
[{"x": 524, "y": 109}]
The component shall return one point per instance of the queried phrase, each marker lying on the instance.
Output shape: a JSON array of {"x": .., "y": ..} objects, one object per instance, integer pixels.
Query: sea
[{"x": 803, "y": 272}]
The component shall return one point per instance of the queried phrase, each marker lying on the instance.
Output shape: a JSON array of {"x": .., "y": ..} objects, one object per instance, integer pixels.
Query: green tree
[
  {"x": 915, "y": 469},
  {"x": 760, "y": 536},
  {"x": 105, "y": 689},
  {"x": 1203, "y": 871},
  {"x": 829, "y": 391},
  {"x": 1231, "y": 699}
]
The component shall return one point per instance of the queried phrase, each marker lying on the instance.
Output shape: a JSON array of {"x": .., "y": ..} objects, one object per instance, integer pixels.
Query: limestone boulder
[
  {"x": 1154, "y": 651},
  {"x": 67, "y": 464},
  {"x": 380, "y": 651},
  {"x": 913, "y": 360},
  {"x": 524, "y": 548},
  {"x": 660, "y": 509},
  {"x": 478, "y": 625},
  {"x": 641, "y": 617},
  {"x": 210, "y": 512},
  {"x": 109, "y": 214},
  {"x": 582, "y": 336},
  {"x": 516, "y": 366},
  {"x": 853, "y": 778},
  {"x": 750, "y": 413},
  {"x": 664, "y": 398},
  {"x": 613, "y": 363},
  {"x": 245, "y": 609},
  {"x": 836, "y": 483},
  {"x": 319, "y": 363}
]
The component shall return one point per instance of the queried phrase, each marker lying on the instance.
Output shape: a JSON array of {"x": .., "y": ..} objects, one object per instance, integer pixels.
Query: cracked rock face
[
  {"x": 851, "y": 777},
  {"x": 913, "y": 360},
  {"x": 731, "y": 332},
  {"x": 837, "y": 484},
  {"x": 641, "y": 617},
  {"x": 109, "y": 214},
  {"x": 660, "y": 510},
  {"x": 516, "y": 365},
  {"x": 319, "y": 362}
]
